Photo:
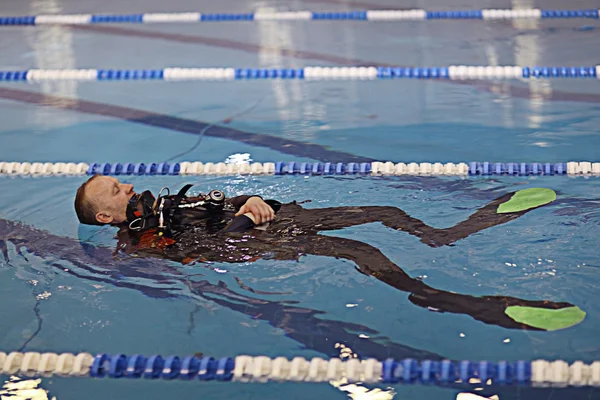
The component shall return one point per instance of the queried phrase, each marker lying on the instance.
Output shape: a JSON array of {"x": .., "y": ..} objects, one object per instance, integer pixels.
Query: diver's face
[{"x": 111, "y": 198}]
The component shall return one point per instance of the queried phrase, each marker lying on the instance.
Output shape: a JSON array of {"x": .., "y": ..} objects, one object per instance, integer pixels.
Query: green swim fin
[
  {"x": 537, "y": 317},
  {"x": 545, "y": 318},
  {"x": 527, "y": 199}
]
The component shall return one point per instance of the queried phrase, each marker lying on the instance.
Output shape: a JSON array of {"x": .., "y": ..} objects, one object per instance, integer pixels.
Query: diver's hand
[{"x": 261, "y": 211}]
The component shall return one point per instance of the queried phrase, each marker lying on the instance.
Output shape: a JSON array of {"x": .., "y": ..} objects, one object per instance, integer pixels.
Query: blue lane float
[
  {"x": 475, "y": 168},
  {"x": 358, "y": 15},
  {"x": 294, "y": 168},
  {"x": 158, "y": 367},
  {"x": 261, "y": 369},
  {"x": 452, "y": 72}
]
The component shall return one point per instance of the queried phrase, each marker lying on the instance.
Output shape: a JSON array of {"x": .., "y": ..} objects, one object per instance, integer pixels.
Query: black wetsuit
[{"x": 295, "y": 232}]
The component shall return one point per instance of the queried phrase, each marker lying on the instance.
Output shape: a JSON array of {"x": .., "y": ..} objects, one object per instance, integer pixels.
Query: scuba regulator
[{"x": 146, "y": 212}]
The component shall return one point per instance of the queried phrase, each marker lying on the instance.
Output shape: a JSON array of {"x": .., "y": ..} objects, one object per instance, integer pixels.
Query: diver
[{"x": 212, "y": 228}]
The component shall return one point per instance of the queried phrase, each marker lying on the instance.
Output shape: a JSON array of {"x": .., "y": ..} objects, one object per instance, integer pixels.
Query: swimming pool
[{"x": 52, "y": 304}]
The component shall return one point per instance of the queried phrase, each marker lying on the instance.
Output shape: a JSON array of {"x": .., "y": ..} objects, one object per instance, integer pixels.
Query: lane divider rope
[
  {"x": 361, "y": 15},
  {"x": 538, "y": 373},
  {"x": 583, "y": 168},
  {"x": 453, "y": 72}
]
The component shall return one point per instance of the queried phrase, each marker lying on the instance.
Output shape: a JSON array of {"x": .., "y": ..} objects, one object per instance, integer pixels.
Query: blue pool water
[{"x": 52, "y": 304}]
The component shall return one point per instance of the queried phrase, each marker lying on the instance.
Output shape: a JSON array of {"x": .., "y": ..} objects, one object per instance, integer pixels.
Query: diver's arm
[{"x": 253, "y": 213}]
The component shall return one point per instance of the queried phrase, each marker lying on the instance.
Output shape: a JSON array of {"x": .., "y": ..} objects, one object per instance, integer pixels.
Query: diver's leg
[
  {"x": 368, "y": 259},
  {"x": 502, "y": 210},
  {"x": 508, "y": 312},
  {"x": 334, "y": 218}
]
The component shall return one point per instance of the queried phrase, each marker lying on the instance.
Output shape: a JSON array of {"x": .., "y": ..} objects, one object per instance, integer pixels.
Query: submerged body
[{"x": 295, "y": 232}]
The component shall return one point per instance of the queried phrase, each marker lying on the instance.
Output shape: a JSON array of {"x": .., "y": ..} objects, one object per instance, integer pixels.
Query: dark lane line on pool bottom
[{"x": 285, "y": 146}]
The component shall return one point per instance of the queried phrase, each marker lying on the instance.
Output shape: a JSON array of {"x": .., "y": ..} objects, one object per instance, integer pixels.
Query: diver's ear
[{"x": 104, "y": 218}]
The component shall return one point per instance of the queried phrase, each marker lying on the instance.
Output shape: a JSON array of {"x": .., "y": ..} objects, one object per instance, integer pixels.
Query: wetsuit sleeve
[
  {"x": 240, "y": 223},
  {"x": 239, "y": 201}
]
